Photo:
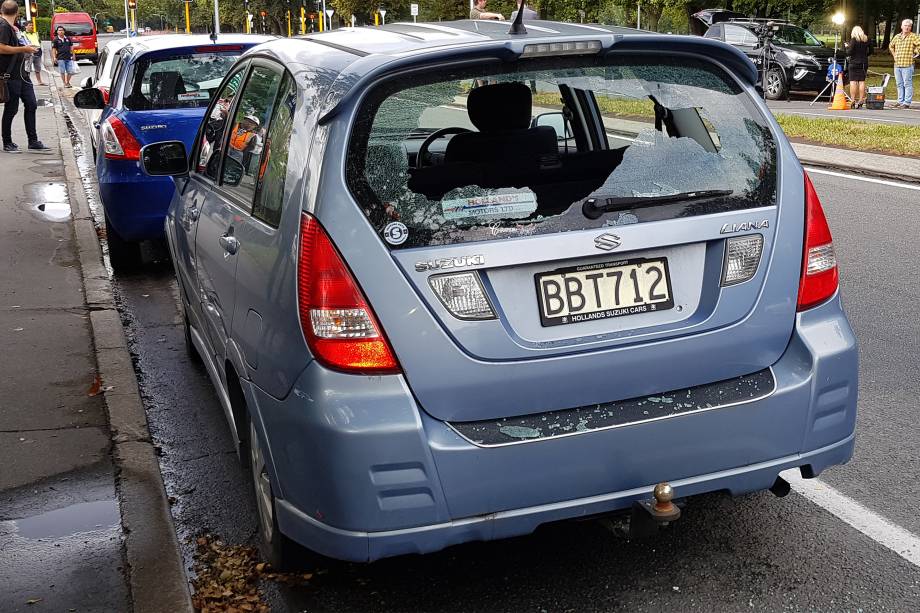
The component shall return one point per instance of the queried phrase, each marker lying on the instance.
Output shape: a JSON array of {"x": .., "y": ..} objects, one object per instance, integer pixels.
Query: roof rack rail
[{"x": 760, "y": 19}]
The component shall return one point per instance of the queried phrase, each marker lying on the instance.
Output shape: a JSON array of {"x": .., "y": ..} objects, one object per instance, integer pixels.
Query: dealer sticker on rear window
[
  {"x": 193, "y": 96},
  {"x": 520, "y": 204}
]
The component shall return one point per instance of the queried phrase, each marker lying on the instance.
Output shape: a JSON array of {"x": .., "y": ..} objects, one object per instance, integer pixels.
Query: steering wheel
[{"x": 423, "y": 150}]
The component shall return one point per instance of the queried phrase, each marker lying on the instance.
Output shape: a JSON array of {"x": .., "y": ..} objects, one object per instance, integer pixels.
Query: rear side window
[
  {"x": 527, "y": 152},
  {"x": 246, "y": 139},
  {"x": 273, "y": 167},
  {"x": 182, "y": 80},
  {"x": 736, "y": 35}
]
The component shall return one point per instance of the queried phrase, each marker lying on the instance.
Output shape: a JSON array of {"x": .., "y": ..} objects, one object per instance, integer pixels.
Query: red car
[{"x": 81, "y": 28}]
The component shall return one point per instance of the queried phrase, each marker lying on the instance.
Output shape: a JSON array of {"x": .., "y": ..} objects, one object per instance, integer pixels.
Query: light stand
[{"x": 838, "y": 20}]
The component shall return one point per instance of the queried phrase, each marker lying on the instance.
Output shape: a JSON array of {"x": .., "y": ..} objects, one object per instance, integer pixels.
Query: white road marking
[
  {"x": 844, "y": 175},
  {"x": 879, "y": 529}
]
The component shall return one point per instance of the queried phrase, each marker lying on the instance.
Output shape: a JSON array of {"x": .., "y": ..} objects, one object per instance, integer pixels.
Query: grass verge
[
  {"x": 845, "y": 133},
  {"x": 861, "y": 135}
]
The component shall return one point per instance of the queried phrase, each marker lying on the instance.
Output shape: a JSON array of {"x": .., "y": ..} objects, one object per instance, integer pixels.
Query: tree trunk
[{"x": 887, "y": 36}]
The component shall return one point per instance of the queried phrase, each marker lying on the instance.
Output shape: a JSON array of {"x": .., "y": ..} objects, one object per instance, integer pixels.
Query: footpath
[{"x": 84, "y": 520}]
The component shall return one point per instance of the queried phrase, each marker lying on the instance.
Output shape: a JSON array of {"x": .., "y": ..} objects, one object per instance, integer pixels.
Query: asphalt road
[{"x": 751, "y": 553}]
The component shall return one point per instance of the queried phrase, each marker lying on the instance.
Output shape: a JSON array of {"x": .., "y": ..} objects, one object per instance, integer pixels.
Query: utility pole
[
  {"x": 216, "y": 22},
  {"x": 127, "y": 23},
  {"x": 639, "y": 15}
]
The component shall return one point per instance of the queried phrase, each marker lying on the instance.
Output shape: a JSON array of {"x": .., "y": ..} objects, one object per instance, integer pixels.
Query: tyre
[
  {"x": 190, "y": 348},
  {"x": 124, "y": 255},
  {"x": 278, "y": 550},
  {"x": 775, "y": 88}
]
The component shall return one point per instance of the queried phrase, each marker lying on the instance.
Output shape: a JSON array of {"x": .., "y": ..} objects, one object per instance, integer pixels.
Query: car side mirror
[
  {"x": 557, "y": 122},
  {"x": 89, "y": 99},
  {"x": 233, "y": 172},
  {"x": 165, "y": 159},
  {"x": 86, "y": 83}
]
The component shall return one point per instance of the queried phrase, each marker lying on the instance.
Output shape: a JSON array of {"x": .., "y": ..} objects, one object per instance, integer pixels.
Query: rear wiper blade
[{"x": 593, "y": 208}]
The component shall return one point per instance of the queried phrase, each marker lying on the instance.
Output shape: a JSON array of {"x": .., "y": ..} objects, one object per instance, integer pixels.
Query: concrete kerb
[{"x": 156, "y": 576}]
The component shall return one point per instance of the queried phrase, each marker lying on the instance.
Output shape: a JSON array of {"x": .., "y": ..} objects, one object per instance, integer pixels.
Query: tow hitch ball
[{"x": 647, "y": 515}]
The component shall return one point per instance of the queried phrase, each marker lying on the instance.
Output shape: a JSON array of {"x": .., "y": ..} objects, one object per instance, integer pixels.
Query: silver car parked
[{"x": 453, "y": 282}]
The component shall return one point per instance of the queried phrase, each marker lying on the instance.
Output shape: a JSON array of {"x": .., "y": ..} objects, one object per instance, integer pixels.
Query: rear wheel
[
  {"x": 124, "y": 255},
  {"x": 776, "y": 85},
  {"x": 278, "y": 550}
]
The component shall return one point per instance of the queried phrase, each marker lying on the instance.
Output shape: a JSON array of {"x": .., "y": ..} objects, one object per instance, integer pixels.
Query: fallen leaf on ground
[{"x": 94, "y": 388}]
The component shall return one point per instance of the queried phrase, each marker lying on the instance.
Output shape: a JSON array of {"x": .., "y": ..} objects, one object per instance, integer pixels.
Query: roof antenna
[{"x": 517, "y": 26}]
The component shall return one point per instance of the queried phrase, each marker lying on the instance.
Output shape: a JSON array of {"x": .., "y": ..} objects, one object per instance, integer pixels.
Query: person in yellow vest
[
  {"x": 36, "y": 58},
  {"x": 904, "y": 48}
]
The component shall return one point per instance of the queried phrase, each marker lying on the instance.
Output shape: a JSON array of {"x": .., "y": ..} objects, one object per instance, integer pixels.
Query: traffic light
[
  {"x": 34, "y": 8},
  {"x": 132, "y": 4}
]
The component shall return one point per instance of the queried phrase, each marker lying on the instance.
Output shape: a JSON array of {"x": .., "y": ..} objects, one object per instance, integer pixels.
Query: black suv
[{"x": 800, "y": 61}]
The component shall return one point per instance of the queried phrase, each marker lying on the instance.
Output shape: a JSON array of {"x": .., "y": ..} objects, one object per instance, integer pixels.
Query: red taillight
[
  {"x": 117, "y": 141},
  {"x": 819, "y": 263},
  {"x": 337, "y": 322},
  {"x": 105, "y": 94}
]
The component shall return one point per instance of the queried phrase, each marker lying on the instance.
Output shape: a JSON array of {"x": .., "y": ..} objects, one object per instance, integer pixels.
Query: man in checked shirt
[{"x": 904, "y": 47}]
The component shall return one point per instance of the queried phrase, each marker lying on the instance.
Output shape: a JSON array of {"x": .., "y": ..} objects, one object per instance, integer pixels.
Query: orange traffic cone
[{"x": 840, "y": 100}]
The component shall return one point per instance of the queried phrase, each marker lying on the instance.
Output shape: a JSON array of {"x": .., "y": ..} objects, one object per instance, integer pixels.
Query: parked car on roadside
[
  {"x": 451, "y": 284},
  {"x": 109, "y": 61},
  {"x": 801, "y": 62},
  {"x": 160, "y": 89},
  {"x": 81, "y": 29}
]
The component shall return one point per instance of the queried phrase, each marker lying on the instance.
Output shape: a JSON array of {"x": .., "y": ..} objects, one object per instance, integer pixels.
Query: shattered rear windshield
[{"x": 482, "y": 154}]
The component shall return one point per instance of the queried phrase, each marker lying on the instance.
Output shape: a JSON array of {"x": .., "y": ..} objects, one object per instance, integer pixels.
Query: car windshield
[
  {"x": 535, "y": 149},
  {"x": 184, "y": 80},
  {"x": 794, "y": 35},
  {"x": 76, "y": 29}
]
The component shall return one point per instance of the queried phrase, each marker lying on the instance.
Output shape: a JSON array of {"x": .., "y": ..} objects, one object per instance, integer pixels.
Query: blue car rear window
[
  {"x": 518, "y": 151},
  {"x": 183, "y": 80}
]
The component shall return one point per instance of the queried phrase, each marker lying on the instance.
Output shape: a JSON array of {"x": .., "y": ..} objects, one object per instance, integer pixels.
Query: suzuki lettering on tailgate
[{"x": 600, "y": 291}]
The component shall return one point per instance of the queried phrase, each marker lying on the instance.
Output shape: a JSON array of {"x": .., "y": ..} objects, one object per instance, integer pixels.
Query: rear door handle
[{"x": 230, "y": 244}]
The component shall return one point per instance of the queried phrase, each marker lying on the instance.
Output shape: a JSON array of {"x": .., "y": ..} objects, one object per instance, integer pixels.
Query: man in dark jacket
[{"x": 19, "y": 86}]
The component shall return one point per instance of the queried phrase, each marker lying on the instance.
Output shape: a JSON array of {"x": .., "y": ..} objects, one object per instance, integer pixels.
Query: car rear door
[
  {"x": 264, "y": 316},
  {"x": 230, "y": 201}
]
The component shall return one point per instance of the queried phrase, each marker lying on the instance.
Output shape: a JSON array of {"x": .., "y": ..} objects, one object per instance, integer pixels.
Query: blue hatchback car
[
  {"x": 467, "y": 282},
  {"x": 161, "y": 89}
]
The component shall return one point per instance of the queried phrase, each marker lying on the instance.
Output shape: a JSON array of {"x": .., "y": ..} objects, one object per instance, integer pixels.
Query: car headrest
[
  {"x": 500, "y": 106},
  {"x": 166, "y": 85}
]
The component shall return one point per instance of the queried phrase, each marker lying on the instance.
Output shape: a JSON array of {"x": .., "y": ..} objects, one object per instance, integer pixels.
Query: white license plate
[{"x": 601, "y": 291}]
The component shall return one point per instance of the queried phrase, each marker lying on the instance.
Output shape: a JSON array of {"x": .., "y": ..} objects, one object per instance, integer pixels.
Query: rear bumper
[
  {"x": 135, "y": 204},
  {"x": 362, "y": 473},
  {"x": 367, "y": 546}
]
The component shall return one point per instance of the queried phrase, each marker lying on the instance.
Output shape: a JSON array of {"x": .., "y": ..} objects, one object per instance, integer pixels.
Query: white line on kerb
[
  {"x": 844, "y": 175},
  {"x": 882, "y": 531}
]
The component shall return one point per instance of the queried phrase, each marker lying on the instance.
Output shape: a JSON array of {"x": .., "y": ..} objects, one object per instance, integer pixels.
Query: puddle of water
[
  {"x": 46, "y": 191},
  {"x": 67, "y": 521},
  {"x": 54, "y": 211}
]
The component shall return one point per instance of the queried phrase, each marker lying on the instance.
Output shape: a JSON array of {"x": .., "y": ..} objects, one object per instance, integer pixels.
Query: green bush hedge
[{"x": 43, "y": 27}]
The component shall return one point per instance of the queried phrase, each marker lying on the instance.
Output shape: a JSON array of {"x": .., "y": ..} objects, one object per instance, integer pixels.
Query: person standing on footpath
[
  {"x": 62, "y": 54},
  {"x": 18, "y": 85},
  {"x": 478, "y": 11},
  {"x": 903, "y": 48},
  {"x": 34, "y": 41},
  {"x": 858, "y": 50}
]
